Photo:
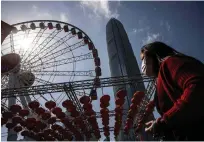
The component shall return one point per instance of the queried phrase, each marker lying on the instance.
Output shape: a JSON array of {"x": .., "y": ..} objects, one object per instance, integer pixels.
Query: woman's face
[{"x": 147, "y": 66}]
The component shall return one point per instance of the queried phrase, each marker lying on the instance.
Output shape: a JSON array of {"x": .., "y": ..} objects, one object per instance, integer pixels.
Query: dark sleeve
[
  {"x": 157, "y": 103},
  {"x": 188, "y": 75}
]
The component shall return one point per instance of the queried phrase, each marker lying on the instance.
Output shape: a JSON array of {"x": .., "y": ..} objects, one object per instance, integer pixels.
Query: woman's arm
[{"x": 189, "y": 108}]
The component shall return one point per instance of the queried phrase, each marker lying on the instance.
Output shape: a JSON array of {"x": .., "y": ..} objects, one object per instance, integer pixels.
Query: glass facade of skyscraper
[{"x": 122, "y": 63}]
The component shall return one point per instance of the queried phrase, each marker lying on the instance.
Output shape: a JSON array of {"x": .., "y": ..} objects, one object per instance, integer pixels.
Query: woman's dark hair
[{"x": 159, "y": 50}]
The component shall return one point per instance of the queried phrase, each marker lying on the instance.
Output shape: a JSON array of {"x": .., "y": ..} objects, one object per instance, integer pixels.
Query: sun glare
[{"x": 25, "y": 43}]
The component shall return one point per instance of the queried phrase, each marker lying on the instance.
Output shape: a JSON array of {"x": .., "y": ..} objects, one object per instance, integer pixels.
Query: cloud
[
  {"x": 44, "y": 15},
  {"x": 41, "y": 14},
  {"x": 151, "y": 37},
  {"x": 165, "y": 24},
  {"x": 63, "y": 17},
  {"x": 34, "y": 7},
  {"x": 161, "y": 23},
  {"x": 168, "y": 26},
  {"x": 138, "y": 30},
  {"x": 99, "y": 9}
]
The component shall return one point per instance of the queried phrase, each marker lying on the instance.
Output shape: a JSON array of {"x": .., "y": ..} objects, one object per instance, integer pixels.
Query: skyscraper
[{"x": 122, "y": 63}]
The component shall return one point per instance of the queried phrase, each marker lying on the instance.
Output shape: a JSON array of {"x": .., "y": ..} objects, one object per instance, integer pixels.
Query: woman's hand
[
  {"x": 157, "y": 128},
  {"x": 150, "y": 126}
]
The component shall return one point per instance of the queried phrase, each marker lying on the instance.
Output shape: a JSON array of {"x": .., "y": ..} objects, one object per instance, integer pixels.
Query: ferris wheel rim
[
  {"x": 28, "y": 28},
  {"x": 56, "y": 22},
  {"x": 46, "y": 27}
]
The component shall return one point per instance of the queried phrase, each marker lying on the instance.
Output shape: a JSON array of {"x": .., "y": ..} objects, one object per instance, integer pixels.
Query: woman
[{"x": 179, "y": 97}]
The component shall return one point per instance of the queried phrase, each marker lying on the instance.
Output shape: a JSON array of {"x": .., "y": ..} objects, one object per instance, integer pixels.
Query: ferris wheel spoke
[
  {"x": 4, "y": 81},
  {"x": 38, "y": 36},
  {"x": 22, "y": 49},
  {"x": 9, "y": 41},
  {"x": 57, "y": 44},
  {"x": 4, "y": 103},
  {"x": 62, "y": 62},
  {"x": 5, "y": 100},
  {"x": 52, "y": 97},
  {"x": 61, "y": 100},
  {"x": 34, "y": 98},
  {"x": 60, "y": 96},
  {"x": 45, "y": 82},
  {"x": 80, "y": 93},
  {"x": 35, "y": 41},
  {"x": 77, "y": 93},
  {"x": 3, "y": 86},
  {"x": 53, "y": 47},
  {"x": 65, "y": 73},
  {"x": 3, "y": 77},
  {"x": 43, "y": 44},
  {"x": 42, "y": 81},
  {"x": 12, "y": 43},
  {"x": 49, "y": 55},
  {"x": 42, "y": 96},
  {"x": 37, "y": 99},
  {"x": 22, "y": 101},
  {"x": 6, "y": 48}
]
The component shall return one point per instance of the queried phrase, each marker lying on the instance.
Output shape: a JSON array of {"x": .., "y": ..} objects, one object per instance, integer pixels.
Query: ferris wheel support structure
[
  {"x": 76, "y": 85},
  {"x": 14, "y": 82}
]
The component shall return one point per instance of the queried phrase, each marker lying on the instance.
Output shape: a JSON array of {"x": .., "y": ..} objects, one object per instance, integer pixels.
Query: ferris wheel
[{"x": 42, "y": 52}]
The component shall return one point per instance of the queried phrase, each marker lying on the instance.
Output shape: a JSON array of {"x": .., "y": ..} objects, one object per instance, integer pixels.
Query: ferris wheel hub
[
  {"x": 26, "y": 79},
  {"x": 10, "y": 63}
]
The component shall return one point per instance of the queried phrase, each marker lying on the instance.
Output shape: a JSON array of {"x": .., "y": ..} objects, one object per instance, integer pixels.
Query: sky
[{"x": 179, "y": 24}]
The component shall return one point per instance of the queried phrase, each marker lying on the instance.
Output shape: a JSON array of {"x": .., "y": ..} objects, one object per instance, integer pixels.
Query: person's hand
[
  {"x": 156, "y": 127},
  {"x": 150, "y": 126}
]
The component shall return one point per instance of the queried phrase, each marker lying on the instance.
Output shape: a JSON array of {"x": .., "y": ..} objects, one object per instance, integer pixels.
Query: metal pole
[{"x": 12, "y": 135}]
